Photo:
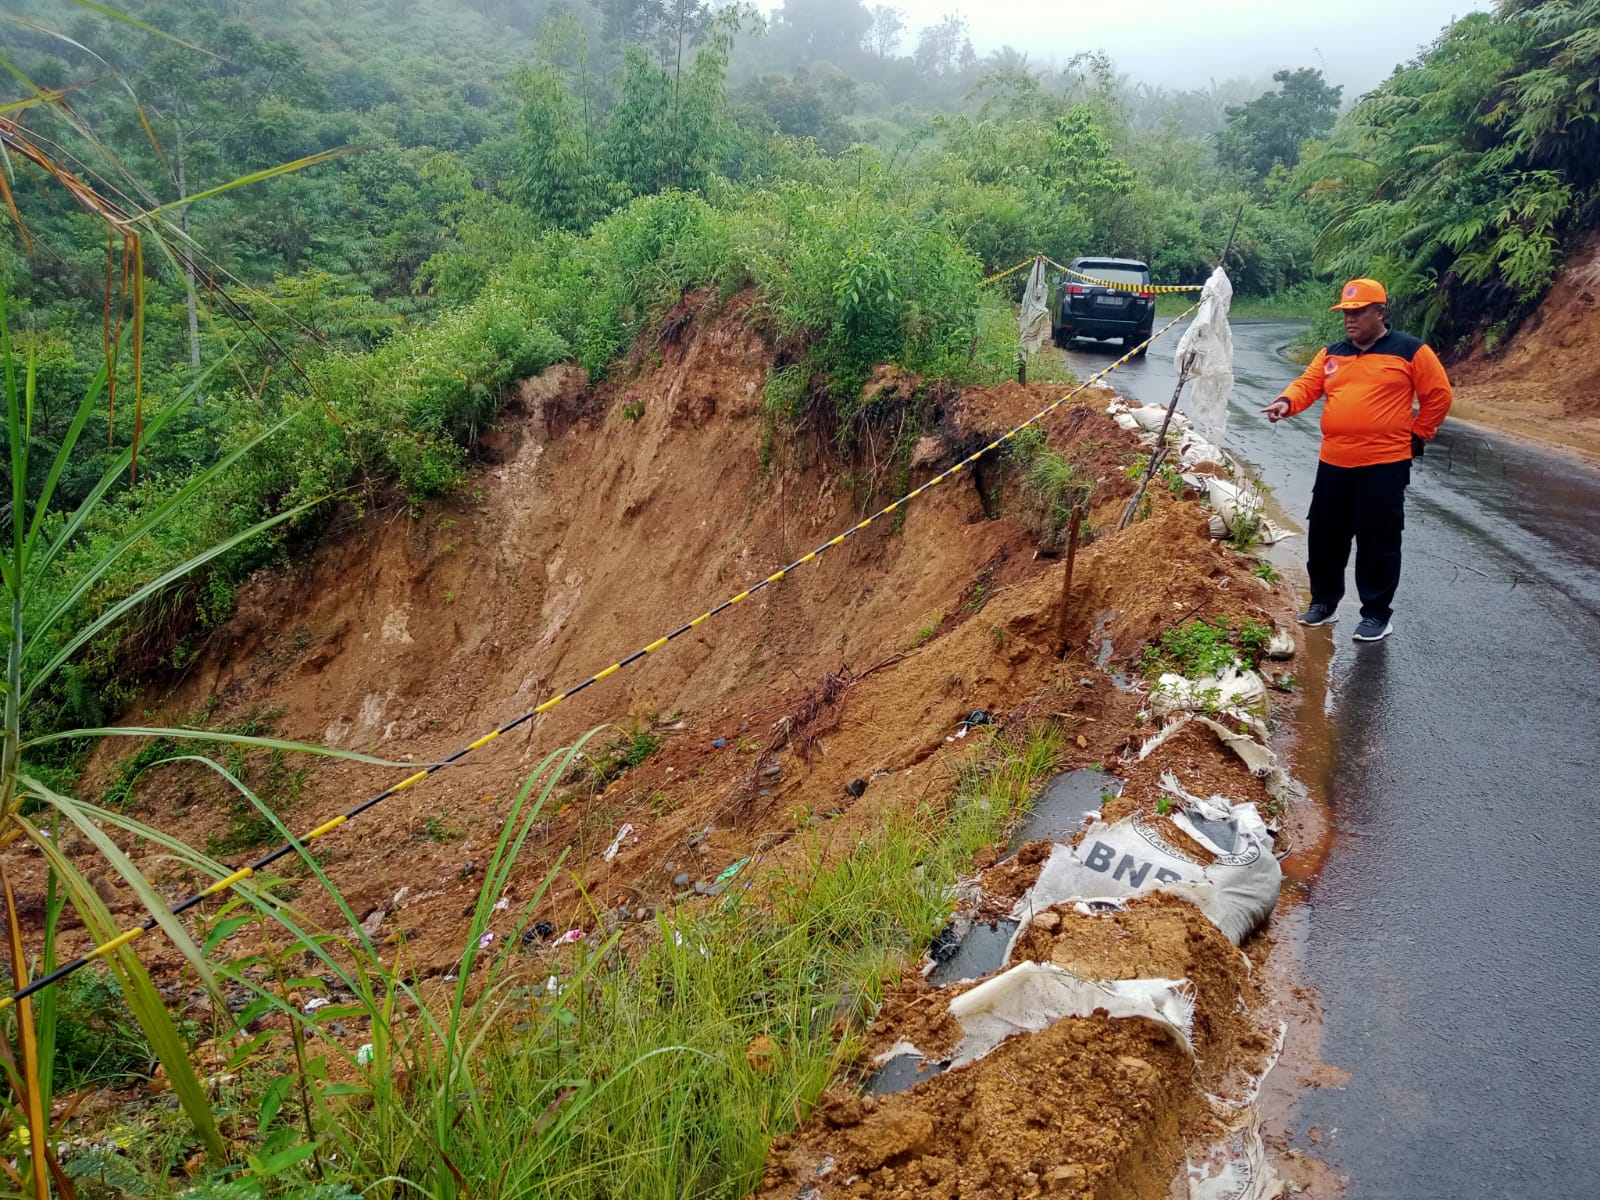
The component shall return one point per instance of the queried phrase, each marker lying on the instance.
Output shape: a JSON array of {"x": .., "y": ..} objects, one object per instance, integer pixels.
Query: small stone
[
  {"x": 681, "y": 879},
  {"x": 856, "y": 787},
  {"x": 1048, "y": 921},
  {"x": 1064, "y": 1178}
]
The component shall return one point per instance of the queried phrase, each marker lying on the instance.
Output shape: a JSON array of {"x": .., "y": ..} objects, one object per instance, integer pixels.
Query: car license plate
[{"x": 1108, "y": 301}]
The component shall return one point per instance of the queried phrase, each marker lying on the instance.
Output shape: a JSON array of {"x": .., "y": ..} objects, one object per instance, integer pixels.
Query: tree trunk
[{"x": 188, "y": 256}]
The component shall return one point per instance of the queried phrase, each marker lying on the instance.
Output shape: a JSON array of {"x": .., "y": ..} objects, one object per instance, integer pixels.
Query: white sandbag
[
  {"x": 1033, "y": 996},
  {"x": 1234, "y": 690},
  {"x": 1206, "y": 351},
  {"x": 1193, "y": 449},
  {"x": 1131, "y": 857},
  {"x": 1232, "y": 501},
  {"x": 1281, "y": 645}
]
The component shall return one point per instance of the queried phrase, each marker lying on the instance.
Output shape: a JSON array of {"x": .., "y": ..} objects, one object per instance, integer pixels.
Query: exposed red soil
[
  {"x": 1091, "y": 1107},
  {"x": 1544, "y": 383}
]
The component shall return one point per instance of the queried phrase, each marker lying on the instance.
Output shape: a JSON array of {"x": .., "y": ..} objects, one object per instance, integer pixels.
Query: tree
[
  {"x": 1271, "y": 128},
  {"x": 822, "y": 30},
  {"x": 1460, "y": 179},
  {"x": 945, "y": 48},
  {"x": 887, "y": 28},
  {"x": 796, "y": 106}
]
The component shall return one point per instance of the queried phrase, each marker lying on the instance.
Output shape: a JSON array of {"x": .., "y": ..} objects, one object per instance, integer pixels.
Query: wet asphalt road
[{"x": 1453, "y": 927}]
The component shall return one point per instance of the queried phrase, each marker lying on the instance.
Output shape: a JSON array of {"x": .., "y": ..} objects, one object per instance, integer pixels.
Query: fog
[{"x": 1184, "y": 44}]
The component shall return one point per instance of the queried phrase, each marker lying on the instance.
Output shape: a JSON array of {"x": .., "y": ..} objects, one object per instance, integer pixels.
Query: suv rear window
[{"x": 1114, "y": 272}]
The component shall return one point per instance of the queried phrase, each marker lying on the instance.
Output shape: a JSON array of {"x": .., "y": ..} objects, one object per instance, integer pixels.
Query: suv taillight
[
  {"x": 1074, "y": 290},
  {"x": 1147, "y": 295}
]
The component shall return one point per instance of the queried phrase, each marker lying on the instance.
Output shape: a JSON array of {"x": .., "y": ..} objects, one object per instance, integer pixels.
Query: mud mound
[
  {"x": 1091, "y": 1107},
  {"x": 1133, "y": 585},
  {"x": 1156, "y": 937}
]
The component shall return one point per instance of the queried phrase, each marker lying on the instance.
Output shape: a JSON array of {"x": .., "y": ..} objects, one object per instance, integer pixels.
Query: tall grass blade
[
  {"x": 138, "y": 989},
  {"x": 38, "y": 1130}
]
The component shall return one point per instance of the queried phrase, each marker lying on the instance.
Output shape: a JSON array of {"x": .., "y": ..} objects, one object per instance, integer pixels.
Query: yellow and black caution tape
[
  {"x": 327, "y": 827},
  {"x": 1160, "y": 288},
  {"x": 1027, "y": 262}
]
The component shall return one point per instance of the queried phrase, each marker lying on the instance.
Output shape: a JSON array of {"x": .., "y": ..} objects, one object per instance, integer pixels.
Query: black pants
[{"x": 1369, "y": 505}]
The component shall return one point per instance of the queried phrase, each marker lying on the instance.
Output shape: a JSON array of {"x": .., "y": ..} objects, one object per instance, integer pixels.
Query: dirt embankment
[
  {"x": 604, "y": 518},
  {"x": 1544, "y": 384}
]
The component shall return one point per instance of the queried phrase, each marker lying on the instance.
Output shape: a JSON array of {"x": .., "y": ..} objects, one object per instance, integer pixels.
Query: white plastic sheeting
[
  {"x": 1209, "y": 340},
  {"x": 1130, "y": 857},
  {"x": 1232, "y": 690},
  {"x": 1032, "y": 996},
  {"x": 1034, "y": 321}
]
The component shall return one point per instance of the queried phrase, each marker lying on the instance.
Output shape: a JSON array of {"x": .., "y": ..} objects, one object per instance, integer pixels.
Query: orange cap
[{"x": 1359, "y": 293}]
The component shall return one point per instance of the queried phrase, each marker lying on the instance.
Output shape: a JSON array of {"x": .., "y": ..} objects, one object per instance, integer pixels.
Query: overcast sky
[{"x": 1184, "y": 43}]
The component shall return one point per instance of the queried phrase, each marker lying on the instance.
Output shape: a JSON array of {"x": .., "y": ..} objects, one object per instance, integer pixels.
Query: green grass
[
  {"x": 1202, "y": 647},
  {"x": 1053, "y": 490}
]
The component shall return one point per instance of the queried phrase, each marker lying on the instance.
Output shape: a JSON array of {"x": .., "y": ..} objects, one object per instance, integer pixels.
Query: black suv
[{"x": 1082, "y": 309}]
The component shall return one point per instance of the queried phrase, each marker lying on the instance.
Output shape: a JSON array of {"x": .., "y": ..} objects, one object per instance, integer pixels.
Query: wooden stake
[{"x": 1066, "y": 582}]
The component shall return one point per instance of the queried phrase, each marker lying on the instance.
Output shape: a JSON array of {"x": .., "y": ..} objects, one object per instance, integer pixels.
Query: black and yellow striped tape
[
  {"x": 1160, "y": 288},
  {"x": 245, "y": 872}
]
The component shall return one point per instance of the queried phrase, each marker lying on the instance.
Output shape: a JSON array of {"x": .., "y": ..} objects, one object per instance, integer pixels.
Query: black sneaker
[
  {"x": 1319, "y": 614},
  {"x": 1372, "y": 629}
]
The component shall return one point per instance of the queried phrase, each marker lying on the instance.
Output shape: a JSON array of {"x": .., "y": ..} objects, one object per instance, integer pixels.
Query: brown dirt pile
[
  {"x": 1545, "y": 382},
  {"x": 1090, "y": 1107},
  {"x": 1158, "y": 937}
]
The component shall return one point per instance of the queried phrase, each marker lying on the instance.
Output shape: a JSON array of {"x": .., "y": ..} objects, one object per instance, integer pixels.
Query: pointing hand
[{"x": 1277, "y": 410}]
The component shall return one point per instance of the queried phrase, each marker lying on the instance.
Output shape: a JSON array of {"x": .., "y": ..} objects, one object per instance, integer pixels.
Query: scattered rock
[
  {"x": 889, "y": 1133},
  {"x": 856, "y": 787},
  {"x": 681, "y": 879}
]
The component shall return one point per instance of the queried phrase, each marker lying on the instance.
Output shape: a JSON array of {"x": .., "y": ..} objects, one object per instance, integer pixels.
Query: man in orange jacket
[{"x": 1370, "y": 434}]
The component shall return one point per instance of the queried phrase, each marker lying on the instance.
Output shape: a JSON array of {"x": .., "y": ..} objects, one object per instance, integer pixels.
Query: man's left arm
[{"x": 1433, "y": 393}]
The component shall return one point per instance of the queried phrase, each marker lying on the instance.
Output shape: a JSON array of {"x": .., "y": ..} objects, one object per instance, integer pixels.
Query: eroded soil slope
[
  {"x": 606, "y": 517},
  {"x": 1545, "y": 383}
]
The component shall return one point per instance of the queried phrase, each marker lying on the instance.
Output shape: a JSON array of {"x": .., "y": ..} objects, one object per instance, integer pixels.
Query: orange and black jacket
[{"x": 1368, "y": 418}]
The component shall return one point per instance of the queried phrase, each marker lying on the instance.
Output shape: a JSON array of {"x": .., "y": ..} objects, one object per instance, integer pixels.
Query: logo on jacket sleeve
[{"x": 1330, "y": 365}]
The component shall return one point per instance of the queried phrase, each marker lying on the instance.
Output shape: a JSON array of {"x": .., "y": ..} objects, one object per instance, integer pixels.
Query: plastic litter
[
  {"x": 570, "y": 936},
  {"x": 314, "y": 1004},
  {"x": 979, "y": 716},
  {"x": 1033, "y": 322},
  {"x": 485, "y": 941},
  {"x": 731, "y": 872},
  {"x": 1234, "y": 690},
  {"x": 719, "y": 743},
  {"x": 364, "y": 1055},
  {"x": 616, "y": 843},
  {"x": 856, "y": 788},
  {"x": 1281, "y": 645}
]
